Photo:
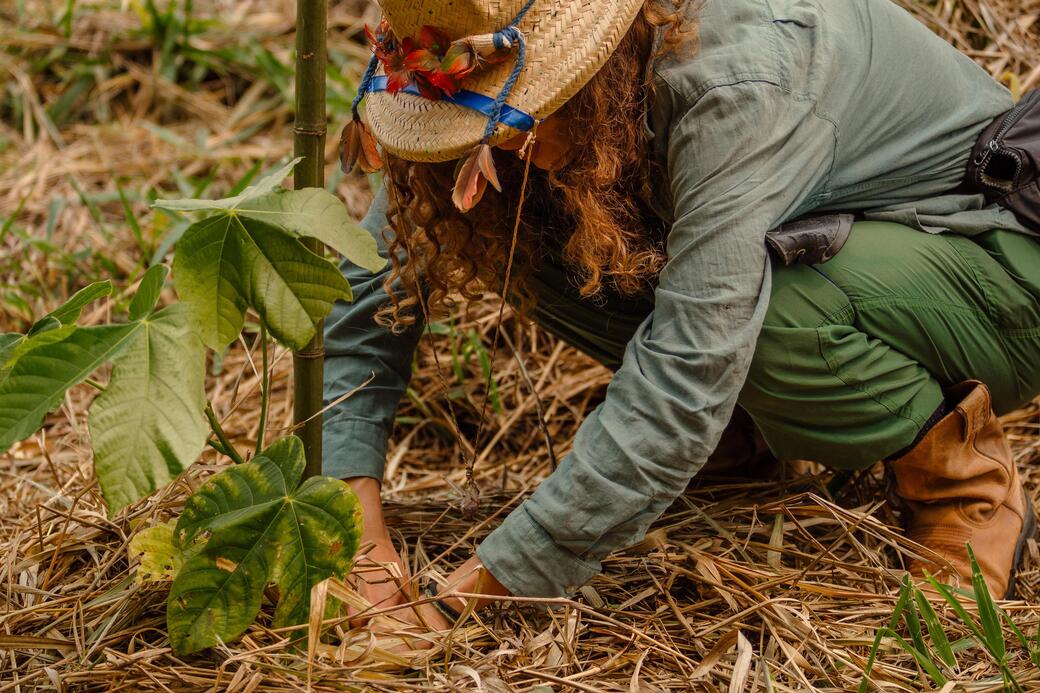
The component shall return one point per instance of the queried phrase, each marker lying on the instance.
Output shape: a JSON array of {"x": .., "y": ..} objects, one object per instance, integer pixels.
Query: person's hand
[
  {"x": 383, "y": 578},
  {"x": 469, "y": 578},
  {"x": 379, "y": 574}
]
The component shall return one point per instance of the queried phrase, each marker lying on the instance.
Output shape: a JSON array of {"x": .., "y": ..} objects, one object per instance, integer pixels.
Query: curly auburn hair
[{"x": 590, "y": 210}]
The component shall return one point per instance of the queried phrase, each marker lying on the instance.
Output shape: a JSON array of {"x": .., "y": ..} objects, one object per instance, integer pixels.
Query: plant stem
[
  {"x": 94, "y": 384},
  {"x": 214, "y": 423},
  {"x": 218, "y": 447},
  {"x": 309, "y": 142},
  {"x": 265, "y": 388}
]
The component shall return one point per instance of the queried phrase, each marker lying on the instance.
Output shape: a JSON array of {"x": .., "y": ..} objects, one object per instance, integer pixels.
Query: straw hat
[{"x": 564, "y": 43}]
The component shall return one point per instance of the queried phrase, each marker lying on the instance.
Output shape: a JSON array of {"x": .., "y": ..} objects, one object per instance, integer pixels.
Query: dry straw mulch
[{"x": 774, "y": 581}]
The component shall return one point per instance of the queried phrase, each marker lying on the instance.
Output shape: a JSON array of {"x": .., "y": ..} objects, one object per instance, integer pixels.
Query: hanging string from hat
[
  {"x": 471, "y": 484},
  {"x": 470, "y": 501}
]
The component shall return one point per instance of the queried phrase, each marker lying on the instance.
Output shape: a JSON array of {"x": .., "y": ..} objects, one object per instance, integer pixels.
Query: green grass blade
[
  {"x": 935, "y": 628},
  {"x": 955, "y": 604},
  {"x": 901, "y": 604},
  {"x": 922, "y": 660},
  {"x": 987, "y": 610},
  {"x": 913, "y": 623}
]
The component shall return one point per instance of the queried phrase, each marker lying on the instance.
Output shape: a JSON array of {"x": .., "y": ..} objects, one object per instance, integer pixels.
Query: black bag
[{"x": 1005, "y": 163}]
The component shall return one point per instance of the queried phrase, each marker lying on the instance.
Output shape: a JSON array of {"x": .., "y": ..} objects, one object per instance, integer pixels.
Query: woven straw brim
[{"x": 567, "y": 43}]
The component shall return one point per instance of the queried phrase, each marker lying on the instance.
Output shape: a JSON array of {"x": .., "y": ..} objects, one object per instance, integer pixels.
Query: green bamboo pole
[{"x": 309, "y": 143}]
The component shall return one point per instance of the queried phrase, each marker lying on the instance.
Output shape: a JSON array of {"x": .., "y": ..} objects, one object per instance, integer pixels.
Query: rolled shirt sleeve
[
  {"x": 741, "y": 159},
  {"x": 360, "y": 352}
]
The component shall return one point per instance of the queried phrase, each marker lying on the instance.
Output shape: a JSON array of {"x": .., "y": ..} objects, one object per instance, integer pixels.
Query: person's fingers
[
  {"x": 381, "y": 582},
  {"x": 411, "y": 628},
  {"x": 424, "y": 616}
]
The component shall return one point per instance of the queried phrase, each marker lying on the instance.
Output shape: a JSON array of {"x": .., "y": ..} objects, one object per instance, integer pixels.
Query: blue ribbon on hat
[
  {"x": 513, "y": 117},
  {"x": 496, "y": 109}
]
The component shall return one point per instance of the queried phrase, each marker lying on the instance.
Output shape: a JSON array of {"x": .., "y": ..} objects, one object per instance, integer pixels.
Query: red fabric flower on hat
[{"x": 431, "y": 62}]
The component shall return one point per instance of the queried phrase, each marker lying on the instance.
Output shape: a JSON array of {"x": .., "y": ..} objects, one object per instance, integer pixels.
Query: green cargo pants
[{"x": 855, "y": 352}]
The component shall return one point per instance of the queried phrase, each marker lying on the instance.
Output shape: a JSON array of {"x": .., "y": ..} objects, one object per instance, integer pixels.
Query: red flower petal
[
  {"x": 421, "y": 61},
  {"x": 434, "y": 39},
  {"x": 444, "y": 82},
  {"x": 459, "y": 61},
  {"x": 426, "y": 88},
  {"x": 396, "y": 81}
]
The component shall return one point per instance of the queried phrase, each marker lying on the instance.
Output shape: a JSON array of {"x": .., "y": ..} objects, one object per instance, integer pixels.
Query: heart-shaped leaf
[
  {"x": 317, "y": 213},
  {"x": 148, "y": 424},
  {"x": 264, "y": 527},
  {"x": 227, "y": 263}
]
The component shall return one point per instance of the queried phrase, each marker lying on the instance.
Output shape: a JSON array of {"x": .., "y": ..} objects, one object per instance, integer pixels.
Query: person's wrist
[{"x": 373, "y": 525}]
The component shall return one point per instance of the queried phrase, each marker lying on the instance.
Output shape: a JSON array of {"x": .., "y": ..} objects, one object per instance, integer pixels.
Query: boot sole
[{"x": 1028, "y": 532}]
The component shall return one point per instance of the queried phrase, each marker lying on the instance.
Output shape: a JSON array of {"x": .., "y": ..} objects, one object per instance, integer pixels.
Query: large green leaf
[
  {"x": 225, "y": 264},
  {"x": 265, "y": 185},
  {"x": 319, "y": 214},
  {"x": 148, "y": 424},
  {"x": 312, "y": 212},
  {"x": 49, "y": 364},
  {"x": 263, "y": 528}
]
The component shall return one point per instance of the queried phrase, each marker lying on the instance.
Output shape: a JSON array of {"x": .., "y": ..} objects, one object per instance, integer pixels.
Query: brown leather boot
[{"x": 962, "y": 486}]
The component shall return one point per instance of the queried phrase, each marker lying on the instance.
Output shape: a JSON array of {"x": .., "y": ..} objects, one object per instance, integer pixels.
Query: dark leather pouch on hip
[
  {"x": 1005, "y": 163},
  {"x": 810, "y": 241}
]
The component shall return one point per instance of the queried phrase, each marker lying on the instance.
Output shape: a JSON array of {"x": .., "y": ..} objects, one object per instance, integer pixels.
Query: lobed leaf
[
  {"x": 161, "y": 558},
  {"x": 70, "y": 311},
  {"x": 49, "y": 364},
  {"x": 263, "y": 528},
  {"x": 143, "y": 302},
  {"x": 317, "y": 213},
  {"x": 265, "y": 185},
  {"x": 148, "y": 424},
  {"x": 12, "y": 344},
  {"x": 225, "y": 264},
  {"x": 8, "y": 342}
]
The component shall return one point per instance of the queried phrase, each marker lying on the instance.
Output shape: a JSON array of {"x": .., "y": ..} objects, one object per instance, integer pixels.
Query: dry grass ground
[{"x": 745, "y": 584}]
